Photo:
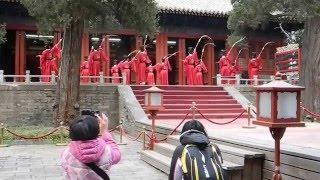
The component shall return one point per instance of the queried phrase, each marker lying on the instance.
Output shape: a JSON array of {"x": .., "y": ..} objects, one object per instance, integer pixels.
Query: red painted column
[
  {"x": 106, "y": 66},
  {"x": 85, "y": 45},
  {"x": 209, "y": 62},
  {"x": 20, "y": 53},
  {"x": 56, "y": 37},
  {"x": 181, "y": 56},
  {"x": 161, "y": 48},
  {"x": 137, "y": 44}
]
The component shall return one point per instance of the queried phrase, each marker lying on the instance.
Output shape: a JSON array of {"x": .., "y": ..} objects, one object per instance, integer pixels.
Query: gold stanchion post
[
  {"x": 2, "y": 136},
  {"x": 249, "y": 126},
  {"x": 194, "y": 107},
  {"x": 121, "y": 134},
  {"x": 61, "y": 143},
  {"x": 144, "y": 138}
]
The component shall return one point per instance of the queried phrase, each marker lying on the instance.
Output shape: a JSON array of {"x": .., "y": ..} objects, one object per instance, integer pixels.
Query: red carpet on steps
[{"x": 215, "y": 103}]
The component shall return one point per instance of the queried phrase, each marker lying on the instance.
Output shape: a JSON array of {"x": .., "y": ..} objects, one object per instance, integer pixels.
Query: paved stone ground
[{"x": 42, "y": 162}]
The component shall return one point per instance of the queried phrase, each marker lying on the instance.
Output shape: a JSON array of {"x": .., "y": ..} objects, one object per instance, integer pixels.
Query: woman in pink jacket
[{"x": 89, "y": 155}]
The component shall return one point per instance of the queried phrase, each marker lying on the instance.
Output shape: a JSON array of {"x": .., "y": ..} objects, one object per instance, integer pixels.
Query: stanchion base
[
  {"x": 249, "y": 127},
  {"x": 4, "y": 145},
  {"x": 61, "y": 144}
]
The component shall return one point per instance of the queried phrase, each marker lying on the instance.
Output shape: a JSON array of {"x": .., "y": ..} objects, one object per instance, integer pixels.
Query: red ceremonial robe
[
  {"x": 115, "y": 74},
  {"x": 142, "y": 60},
  {"x": 125, "y": 70},
  {"x": 45, "y": 64},
  {"x": 56, "y": 52},
  {"x": 189, "y": 63},
  {"x": 254, "y": 66},
  {"x": 199, "y": 70},
  {"x": 163, "y": 68},
  {"x": 150, "y": 75},
  {"x": 84, "y": 71}
]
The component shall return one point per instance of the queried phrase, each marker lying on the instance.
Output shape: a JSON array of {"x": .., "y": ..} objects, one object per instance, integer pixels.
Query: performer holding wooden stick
[
  {"x": 84, "y": 70},
  {"x": 49, "y": 60},
  {"x": 96, "y": 59},
  {"x": 115, "y": 73},
  {"x": 201, "y": 68},
  {"x": 255, "y": 63},
  {"x": 163, "y": 69},
  {"x": 191, "y": 61}
]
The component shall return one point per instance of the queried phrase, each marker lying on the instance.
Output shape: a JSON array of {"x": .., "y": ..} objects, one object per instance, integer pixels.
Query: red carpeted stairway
[{"x": 215, "y": 103}]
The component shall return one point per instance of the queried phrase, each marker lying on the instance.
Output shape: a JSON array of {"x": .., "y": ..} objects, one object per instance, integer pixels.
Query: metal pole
[
  {"x": 249, "y": 126},
  {"x": 193, "y": 107},
  {"x": 61, "y": 135},
  {"x": 144, "y": 138},
  {"x": 2, "y": 136},
  {"x": 153, "y": 129},
  {"x": 277, "y": 134}
]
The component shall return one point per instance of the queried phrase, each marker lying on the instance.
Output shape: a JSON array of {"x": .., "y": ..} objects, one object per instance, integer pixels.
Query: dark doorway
[
  {"x": 7, "y": 53},
  {"x": 174, "y": 61},
  {"x": 35, "y": 44}
]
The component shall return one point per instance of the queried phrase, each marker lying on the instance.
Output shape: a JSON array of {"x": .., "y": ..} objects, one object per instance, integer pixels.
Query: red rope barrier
[
  {"x": 133, "y": 139},
  {"x": 175, "y": 129},
  {"x": 111, "y": 130},
  {"x": 310, "y": 112},
  {"x": 224, "y": 123},
  {"x": 37, "y": 137}
]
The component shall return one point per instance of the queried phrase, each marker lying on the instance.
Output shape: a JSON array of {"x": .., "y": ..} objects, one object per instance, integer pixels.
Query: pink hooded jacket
[{"x": 104, "y": 151}]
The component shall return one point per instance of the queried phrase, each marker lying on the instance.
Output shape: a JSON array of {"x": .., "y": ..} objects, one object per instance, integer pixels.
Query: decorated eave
[{"x": 215, "y": 8}]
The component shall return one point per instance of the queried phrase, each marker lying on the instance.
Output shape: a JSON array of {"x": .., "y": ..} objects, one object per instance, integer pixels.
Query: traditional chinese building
[{"x": 182, "y": 22}]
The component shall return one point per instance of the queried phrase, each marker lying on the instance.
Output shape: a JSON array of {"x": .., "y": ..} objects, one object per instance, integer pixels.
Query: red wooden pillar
[
  {"x": 161, "y": 48},
  {"x": 56, "y": 37},
  {"x": 85, "y": 45},
  {"x": 209, "y": 62},
  {"x": 20, "y": 53},
  {"x": 181, "y": 57},
  {"x": 106, "y": 66},
  {"x": 136, "y": 46}
]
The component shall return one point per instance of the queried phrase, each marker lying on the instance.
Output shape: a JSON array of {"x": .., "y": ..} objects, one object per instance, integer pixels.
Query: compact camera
[{"x": 90, "y": 113}]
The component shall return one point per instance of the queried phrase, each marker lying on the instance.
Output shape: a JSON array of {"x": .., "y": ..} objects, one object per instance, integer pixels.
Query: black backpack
[{"x": 201, "y": 164}]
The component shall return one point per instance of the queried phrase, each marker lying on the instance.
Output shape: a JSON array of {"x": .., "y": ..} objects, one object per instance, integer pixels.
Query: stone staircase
[
  {"x": 239, "y": 164},
  {"x": 213, "y": 101}
]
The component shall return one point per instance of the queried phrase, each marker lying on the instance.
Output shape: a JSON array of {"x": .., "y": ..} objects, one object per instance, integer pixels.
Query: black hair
[
  {"x": 84, "y": 128},
  {"x": 194, "y": 125}
]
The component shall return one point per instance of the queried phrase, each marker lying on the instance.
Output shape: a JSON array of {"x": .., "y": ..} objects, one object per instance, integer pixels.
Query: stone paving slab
[{"x": 42, "y": 162}]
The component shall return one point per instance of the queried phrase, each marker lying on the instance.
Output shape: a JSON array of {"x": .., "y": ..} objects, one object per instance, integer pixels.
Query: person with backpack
[
  {"x": 196, "y": 158},
  {"x": 92, "y": 150}
]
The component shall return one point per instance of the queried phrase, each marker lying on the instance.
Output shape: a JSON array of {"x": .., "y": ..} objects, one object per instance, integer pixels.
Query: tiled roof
[
  {"x": 193, "y": 7},
  {"x": 196, "y": 7}
]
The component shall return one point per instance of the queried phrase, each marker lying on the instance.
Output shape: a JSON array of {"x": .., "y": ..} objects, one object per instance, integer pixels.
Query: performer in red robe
[
  {"x": 115, "y": 74},
  {"x": 224, "y": 64},
  {"x": 84, "y": 70},
  {"x": 163, "y": 69},
  {"x": 48, "y": 58},
  {"x": 189, "y": 63},
  {"x": 125, "y": 67},
  {"x": 150, "y": 75},
  {"x": 96, "y": 58},
  {"x": 199, "y": 70},
  {"x": 56, "y": 52},
  {"x": 141, "y": 59},
  {"x": 254, "y": 65}
]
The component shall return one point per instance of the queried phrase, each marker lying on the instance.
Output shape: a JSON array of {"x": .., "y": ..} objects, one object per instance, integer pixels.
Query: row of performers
[{"x": 139, "y": 62}]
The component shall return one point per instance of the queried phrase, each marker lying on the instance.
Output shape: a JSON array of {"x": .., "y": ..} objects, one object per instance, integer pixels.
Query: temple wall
[{"x": 24, "y": 105}]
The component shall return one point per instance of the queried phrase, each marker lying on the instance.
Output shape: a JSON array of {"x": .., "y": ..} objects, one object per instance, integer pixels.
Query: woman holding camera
[{"x": 92, "y": 150}]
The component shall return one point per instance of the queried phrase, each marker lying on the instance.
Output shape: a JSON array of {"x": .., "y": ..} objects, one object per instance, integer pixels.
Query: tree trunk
[
  {"x": 68, "y": 88},
  {"x": 310, "y": 70}
]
